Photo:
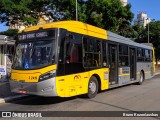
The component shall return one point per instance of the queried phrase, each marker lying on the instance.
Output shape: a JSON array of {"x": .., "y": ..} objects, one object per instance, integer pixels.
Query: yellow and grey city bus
[{"x": 70, "y": 58}]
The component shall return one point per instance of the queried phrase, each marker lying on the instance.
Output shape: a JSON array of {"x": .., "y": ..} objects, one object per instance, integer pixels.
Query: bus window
[
  {"x": 140, "y": 54},
  {"x": 151, "y": 56},
  {"x": 147, "y": 55},
  {"x": 92, "y": 56},
  {"x": 104, "y": 53},
  {"x": 123, "y": 55},
  {"x": 33, "y": 55},
  {"x": 72, "y": 53},
  {"x": 73, "y": 56},
  {"x": 98, "y": 46},
  {"x": 91, "y": 46}
]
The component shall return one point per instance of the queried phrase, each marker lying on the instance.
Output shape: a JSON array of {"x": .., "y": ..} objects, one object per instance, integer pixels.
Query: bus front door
[
  {"x": 132, "y": 64},
  {"x": 113, "y": 68}
]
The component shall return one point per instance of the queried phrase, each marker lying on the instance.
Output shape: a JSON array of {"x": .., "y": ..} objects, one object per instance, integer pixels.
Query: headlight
[{"x": 47, "y": 75}]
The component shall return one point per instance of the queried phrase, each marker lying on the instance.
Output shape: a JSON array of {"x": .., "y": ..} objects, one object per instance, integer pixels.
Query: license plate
[{"x": 22, "y": 91}]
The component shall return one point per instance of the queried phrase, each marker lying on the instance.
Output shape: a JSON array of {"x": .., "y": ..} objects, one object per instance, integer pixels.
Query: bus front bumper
[{"x": 43, "y": 88}]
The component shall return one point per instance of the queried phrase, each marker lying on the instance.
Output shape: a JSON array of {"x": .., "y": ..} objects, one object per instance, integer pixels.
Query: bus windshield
[{"x": 33, "y": 55}]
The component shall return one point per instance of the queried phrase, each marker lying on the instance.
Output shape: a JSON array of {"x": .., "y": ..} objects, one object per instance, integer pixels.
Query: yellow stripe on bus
[
  {"x": 145, "y": 72},
  {"x": 124, "y": 74}
]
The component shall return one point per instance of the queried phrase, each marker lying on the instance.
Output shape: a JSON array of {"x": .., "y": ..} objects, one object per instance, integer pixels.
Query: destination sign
[{"x": 37, "y": 34}]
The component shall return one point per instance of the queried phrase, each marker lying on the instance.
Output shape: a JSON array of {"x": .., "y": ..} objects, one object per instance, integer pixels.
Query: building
[
  {"x": 124, "y": 2},
  {"x": 20, "y": 25},
  {"x": 142, "y": 19},
  {"x": 6, "y": 54},
  {"x": 16, "y": 25}
]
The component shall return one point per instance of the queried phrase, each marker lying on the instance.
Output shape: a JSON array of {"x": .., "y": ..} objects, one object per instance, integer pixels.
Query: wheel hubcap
[{"x": 92, "y": 87}]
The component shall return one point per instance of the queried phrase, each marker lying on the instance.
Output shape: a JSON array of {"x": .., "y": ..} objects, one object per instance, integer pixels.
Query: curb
[
  {"x": 11, "y": 98},
  {"x": 157, "y": 73}
]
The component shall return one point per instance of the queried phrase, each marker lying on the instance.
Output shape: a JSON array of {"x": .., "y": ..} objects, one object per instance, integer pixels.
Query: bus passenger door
[
  {"x": 113, "y": 68},
  {"x": 132, "y": 64}
]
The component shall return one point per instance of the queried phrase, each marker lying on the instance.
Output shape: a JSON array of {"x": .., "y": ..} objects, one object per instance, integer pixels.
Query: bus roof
[
  {"x": 120, "y": 39},
  {"x": 86, "y": 29},
  {"x": 73, "y": 26}
]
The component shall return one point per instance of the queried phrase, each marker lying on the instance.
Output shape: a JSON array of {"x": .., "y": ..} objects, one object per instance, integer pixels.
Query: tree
[
  {"x": 22, "y": 11},
  {"x": 154, "y": 37},
  {"x": 29, "y": 11},
  {"x": 138, "y": 31},
  {"x": 110, "y": 15},
  {"x": 107, "y": 14},
  {"x": 10, "y": 32},
  {"x": 67, "y": 10}
]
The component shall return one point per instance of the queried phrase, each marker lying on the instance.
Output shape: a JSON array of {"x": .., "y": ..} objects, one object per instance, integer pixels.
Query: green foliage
[
  {"x": 107, "y": 14},
  {"x": 138, "y": 31},
  {"x": 154, "y": 36},
  {"x": 154, "y": 33},
  {"x": 25, "y": 11},
  {"x": 154, "y": 29},
  {"x": 66, "y": 10},
  {"x": 10, "y": 32}
]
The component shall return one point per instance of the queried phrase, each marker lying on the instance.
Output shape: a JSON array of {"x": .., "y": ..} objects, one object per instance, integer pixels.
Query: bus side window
[
  {"x": 139, "y": 54},
  {"x": 72, "y": 53},
  {"x": 123, "y": 55},
  {"x": 84, "y": 52},
  {"x": 104, "y": 53},
  {"x": 147, "y": 56},
  {"x": 91, "y": 52},
  {"x": 151, "y": 55}
]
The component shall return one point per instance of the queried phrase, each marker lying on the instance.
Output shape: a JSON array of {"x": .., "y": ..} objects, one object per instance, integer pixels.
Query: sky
[{"x": 151, "y": 7}]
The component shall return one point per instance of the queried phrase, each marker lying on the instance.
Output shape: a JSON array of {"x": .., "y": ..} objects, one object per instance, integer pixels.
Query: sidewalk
[
  {"x": 5, "y": 93},
  {"x": 157, "y": 69}
]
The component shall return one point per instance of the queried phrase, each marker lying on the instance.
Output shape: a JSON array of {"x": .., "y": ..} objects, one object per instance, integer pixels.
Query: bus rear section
[{"x": 130, "y": 62}]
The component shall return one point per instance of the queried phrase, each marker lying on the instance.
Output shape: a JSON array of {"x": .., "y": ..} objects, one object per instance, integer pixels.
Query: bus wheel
[
  {"x": 141, "y": 79},
  {"x": 92, "y": 87}
]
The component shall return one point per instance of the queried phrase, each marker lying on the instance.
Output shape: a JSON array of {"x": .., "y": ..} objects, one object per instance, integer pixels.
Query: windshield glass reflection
[{"x": 34, "y": 55}]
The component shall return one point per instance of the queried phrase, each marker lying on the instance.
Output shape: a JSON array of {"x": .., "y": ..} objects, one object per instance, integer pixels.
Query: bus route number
[{"x": 32, "y": 77}]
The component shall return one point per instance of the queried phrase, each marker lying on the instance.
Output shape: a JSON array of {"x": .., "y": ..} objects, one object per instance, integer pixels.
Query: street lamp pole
[
  {"x": 148, "y": 29},
  {"x": 148, "y": 32},
  {"x": 76, "y": 11},
  {"x": 5, "y": 55}
]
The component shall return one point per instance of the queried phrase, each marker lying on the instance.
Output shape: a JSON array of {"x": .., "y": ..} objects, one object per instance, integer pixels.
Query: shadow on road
[{"x": 37, "y": 100}]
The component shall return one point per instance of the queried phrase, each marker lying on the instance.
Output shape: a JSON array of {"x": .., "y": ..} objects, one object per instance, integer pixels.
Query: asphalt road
[{"x": 133, "y": 97}]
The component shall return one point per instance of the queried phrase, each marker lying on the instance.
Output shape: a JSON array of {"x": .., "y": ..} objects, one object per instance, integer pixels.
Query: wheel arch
[
  {"x": 99, "y": 81},
  {"x": 143, "y": 74}
]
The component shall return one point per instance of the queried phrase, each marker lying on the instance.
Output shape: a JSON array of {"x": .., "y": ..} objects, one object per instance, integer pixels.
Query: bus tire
[
  {"x": 141, "y": 79},
  {"x": 92, "y": 87}
]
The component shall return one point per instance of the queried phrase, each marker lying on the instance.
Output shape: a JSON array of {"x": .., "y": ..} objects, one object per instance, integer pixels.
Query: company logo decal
[{"x": 77, "y": 77}]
